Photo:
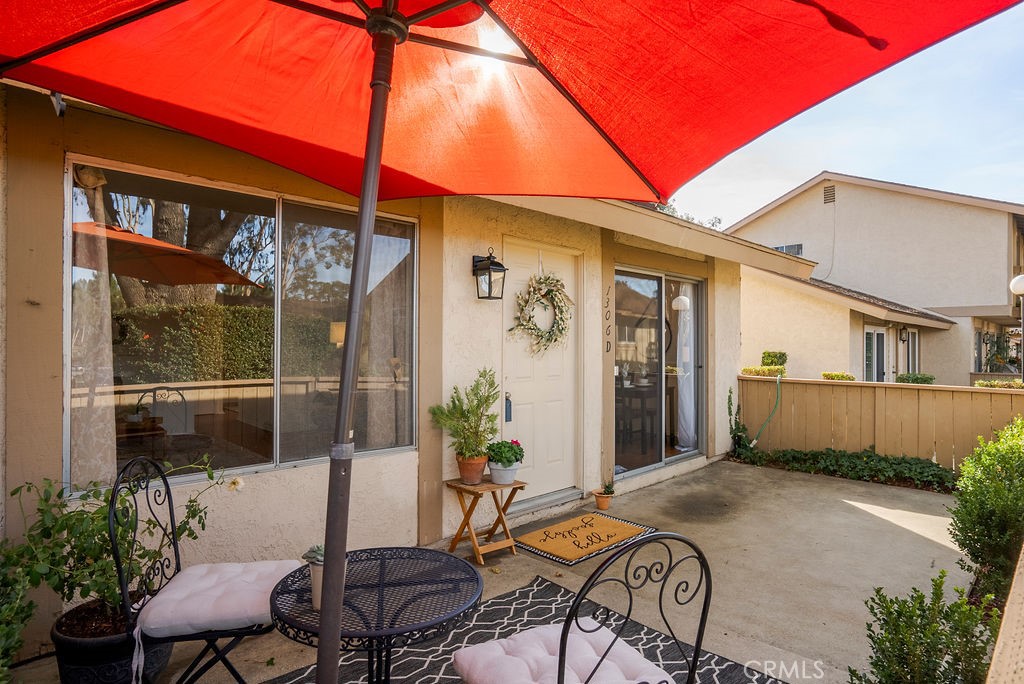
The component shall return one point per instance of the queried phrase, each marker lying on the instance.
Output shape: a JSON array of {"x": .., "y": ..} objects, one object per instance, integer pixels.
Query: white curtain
[{"x": 686, "y": 413}]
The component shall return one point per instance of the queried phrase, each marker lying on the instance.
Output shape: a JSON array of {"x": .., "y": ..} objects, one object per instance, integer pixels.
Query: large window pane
[
  {"x": 639, "y": 375},
  {"x": 172, "y": 318},
  {"x": 315, "y": 275}
]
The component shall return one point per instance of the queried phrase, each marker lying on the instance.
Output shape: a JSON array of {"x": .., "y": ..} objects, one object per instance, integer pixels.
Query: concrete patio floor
[{"x": 793, "y": 558}]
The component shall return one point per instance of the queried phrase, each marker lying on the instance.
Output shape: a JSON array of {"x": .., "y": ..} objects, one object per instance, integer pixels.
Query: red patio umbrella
[
  {"x": 146, "y": 258},
  {"x": 549, "y": 97}
]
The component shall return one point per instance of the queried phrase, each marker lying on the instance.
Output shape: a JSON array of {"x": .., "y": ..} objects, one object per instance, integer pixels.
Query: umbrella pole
[{"x": 343, "y": 446}]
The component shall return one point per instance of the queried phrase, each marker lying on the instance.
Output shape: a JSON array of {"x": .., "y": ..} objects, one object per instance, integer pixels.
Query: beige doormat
[{"x": 577, "y": 539}]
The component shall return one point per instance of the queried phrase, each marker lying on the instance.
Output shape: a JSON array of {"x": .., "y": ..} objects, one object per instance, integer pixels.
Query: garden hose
[{"x": 778, "y": 391}]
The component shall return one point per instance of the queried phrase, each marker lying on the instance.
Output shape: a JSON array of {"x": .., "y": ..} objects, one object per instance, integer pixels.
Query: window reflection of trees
[{"x": 215, "y": 343}]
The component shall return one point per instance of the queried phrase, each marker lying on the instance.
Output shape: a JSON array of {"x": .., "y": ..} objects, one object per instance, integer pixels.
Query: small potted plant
[
  {"x": 503, "y": 459},
  {"x": 315, "y": 557},
  {"x": 468, "y": 420},
  {"x": 604, "y": 495}
]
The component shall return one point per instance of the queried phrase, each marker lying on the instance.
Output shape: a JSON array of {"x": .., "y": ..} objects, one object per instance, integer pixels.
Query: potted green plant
[
  {"x": 67, "y": 547},
  {"x": 603, "y": 496},
  {"x": 503, "y": 459},
  {"x": 469, "y": 421},
  {"x": 315, "y": 557}
]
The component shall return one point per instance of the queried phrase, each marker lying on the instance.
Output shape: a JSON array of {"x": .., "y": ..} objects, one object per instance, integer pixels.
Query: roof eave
[{"x": 665, "y": 229}]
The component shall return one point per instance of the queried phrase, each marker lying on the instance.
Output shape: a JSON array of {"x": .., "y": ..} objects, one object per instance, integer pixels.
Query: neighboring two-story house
[{"x": 907, "y": 280}]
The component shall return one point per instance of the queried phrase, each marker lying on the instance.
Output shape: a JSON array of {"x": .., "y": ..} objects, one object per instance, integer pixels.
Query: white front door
[{"x": 543, "y": 388}]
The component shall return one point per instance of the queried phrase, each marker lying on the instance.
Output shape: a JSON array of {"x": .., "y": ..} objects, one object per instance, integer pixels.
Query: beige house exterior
[
  {"x": 398, "y": 492},
  {"x": 923, "y": 273}
]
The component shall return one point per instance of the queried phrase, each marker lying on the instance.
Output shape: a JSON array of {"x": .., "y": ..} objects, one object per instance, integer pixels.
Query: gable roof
[
  {"x": 824, "y": 176},
  {"x": 868, "y": 304}
]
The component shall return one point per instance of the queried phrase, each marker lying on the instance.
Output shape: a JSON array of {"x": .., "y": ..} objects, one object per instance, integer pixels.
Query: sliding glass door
[{"x": 657, "y": 383}]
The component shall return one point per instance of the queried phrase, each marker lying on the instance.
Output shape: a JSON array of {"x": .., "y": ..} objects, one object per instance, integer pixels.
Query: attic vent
[{"x": 830, "y": 194}]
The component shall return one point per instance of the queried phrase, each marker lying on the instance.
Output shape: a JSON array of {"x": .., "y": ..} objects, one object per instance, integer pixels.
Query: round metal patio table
[{"x": 394, "y": 596}]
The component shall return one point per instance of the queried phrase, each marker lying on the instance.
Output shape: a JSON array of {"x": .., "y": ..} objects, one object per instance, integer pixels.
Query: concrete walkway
[{"x": 793, "y": 558}]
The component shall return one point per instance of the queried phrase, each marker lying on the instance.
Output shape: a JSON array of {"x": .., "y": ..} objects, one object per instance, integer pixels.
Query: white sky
[{"x": 949, "y": 118}]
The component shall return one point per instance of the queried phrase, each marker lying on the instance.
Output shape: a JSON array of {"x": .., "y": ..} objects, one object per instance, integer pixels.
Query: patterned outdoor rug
[
  {"x": 539, "y": 603},
  {"x": 575, "y": 540}
]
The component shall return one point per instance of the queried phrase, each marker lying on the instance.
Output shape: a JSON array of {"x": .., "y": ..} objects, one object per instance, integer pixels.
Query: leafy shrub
[
  {"x": 924, "y": 640},
  {"x": 839, "y": 375},
  {"x": 988, "y": 515},
  {"x": 861, "y": 465},
  {"x": 467, "y": 417},
  {"x": 741, "y": 447},
  {"x": 15, "y": 609},
  {"x": 1000, "y": 384},
  {"x": 764, "y": 371},
  {"x": 213, "y": 342},
  {"x": 774, "y": 358},
  {"x": 916, "y": 378}
]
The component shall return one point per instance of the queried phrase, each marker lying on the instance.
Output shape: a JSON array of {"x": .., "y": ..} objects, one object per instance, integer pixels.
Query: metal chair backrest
[
  {"x": 662, "y": 563},
  {"x": 169, "y": 403},
  {"x": 143, "y": 533}
]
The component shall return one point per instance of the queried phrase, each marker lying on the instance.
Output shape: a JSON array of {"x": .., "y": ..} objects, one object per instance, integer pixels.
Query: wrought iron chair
[
  {"x": 167, "y": 604},
  {"x": 589, "y": 646},
  {"x": 179, "y": 420}
]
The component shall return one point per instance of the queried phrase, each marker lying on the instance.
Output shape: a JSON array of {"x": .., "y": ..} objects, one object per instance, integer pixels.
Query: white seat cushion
[
  {"x": 215, "y": 596},
  {"x": 531, "y": 657}
]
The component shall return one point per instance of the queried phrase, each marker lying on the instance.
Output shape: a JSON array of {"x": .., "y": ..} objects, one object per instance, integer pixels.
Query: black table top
[{"x": 393, "y": 597}]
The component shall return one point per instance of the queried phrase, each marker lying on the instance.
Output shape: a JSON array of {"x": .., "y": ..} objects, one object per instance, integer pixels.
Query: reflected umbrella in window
[{"x": 103, "y": 247}]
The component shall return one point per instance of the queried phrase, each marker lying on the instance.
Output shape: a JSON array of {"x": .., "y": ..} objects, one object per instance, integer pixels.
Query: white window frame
[{"x": 71, "y": 159}]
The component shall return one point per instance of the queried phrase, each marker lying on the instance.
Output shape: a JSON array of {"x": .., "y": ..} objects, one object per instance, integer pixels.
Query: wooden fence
[{"x": 926, "y": 421}]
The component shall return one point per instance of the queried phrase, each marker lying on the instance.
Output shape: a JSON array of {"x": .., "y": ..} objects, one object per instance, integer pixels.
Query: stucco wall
[
  {"x": 473, "y": 328},
  {"x": 914, "y": 250},
  {"x": 724, "y": 336},
  {"x": 949, "y": 354},
  {"x": 790, "y": 318}
]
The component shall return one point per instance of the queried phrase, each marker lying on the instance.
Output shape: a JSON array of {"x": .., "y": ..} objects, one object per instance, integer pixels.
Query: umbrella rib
[
  {"x": 326, "y": 13},
  {"x": 553, "y": 80},
  {"x": 469, "y": 49},
  {"x": 319, "y": 11},
  {"x": 435, "y": 10},
  {"x": 87, "y": 34}
]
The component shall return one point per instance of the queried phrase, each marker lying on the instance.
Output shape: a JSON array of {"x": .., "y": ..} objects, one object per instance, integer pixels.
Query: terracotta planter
[
  {"x": 502, "y": 474},
  {"x": 471, "y": 470},
  {"x": 316, "y": 582},
  {"x": 603, "y": 500}
]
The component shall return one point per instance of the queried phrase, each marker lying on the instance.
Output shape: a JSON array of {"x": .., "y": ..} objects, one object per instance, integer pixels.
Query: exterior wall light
[
  {"x": 904, "y": 334},
  {"x": 1017, "y": 288},
  {"x": 489, "y": 274}
]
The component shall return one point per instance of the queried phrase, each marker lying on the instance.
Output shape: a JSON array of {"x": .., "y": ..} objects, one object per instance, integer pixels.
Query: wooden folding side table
[{"x": 475, "y": 492}]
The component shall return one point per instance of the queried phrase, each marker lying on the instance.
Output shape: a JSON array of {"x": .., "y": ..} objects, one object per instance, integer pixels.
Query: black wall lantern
[
  {"x": 490, "y": 276},
  {"x": 904, "y": 334}
]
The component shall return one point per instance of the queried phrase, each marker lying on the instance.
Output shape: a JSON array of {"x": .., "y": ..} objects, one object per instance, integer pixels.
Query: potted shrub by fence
[
  {"x": 67, "y": 547},
  {"x": 468, "y": 420},
  {"x": 503, "y": 459}
]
